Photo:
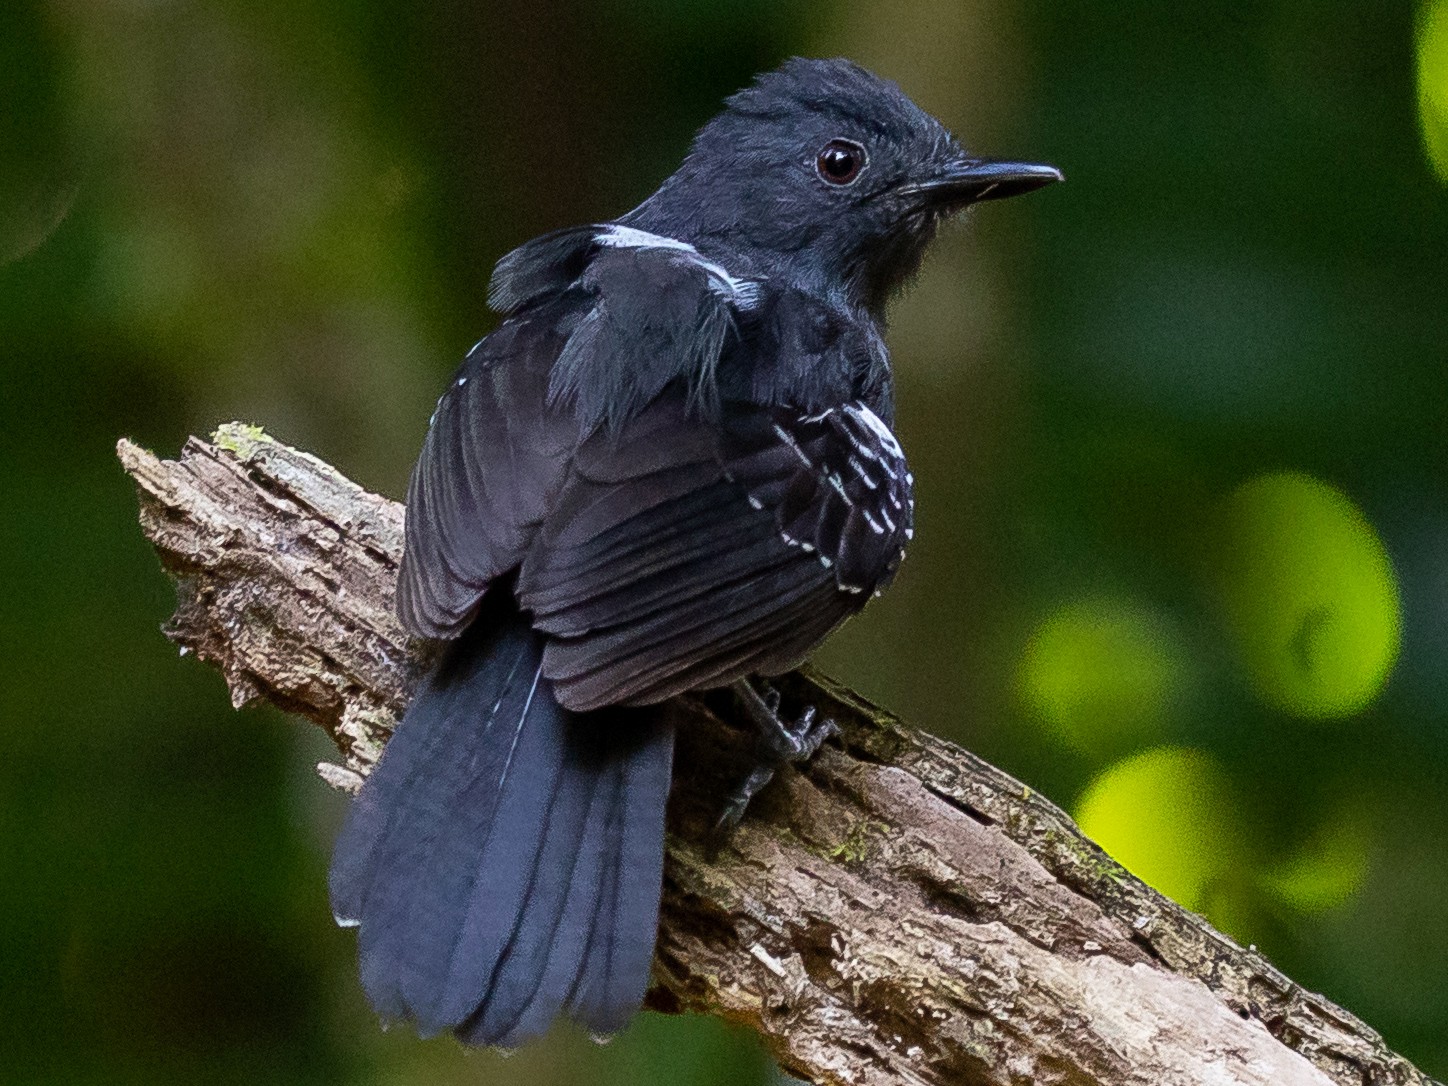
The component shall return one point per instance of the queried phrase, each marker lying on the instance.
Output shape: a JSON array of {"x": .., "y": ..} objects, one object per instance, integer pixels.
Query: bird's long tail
[{"x": 503, "y": 861}]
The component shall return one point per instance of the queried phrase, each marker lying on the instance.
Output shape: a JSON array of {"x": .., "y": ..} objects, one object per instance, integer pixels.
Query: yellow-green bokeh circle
[
  {"x": 1100, "y": 674},
  {"x": 1309, "y": 595},
  {"x": 1328, "y": 869},
  {"x": 1432, "y": 64},
  {"x": 1167, "y": 816}
]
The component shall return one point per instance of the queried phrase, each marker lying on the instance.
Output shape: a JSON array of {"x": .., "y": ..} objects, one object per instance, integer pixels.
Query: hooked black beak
[{"x": 970, "y": 180}]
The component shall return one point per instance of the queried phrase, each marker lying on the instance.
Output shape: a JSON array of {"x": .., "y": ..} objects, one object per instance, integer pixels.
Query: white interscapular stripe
[
  {"x": 626, "y": 237},
  {"x": 742, "y": 292}
]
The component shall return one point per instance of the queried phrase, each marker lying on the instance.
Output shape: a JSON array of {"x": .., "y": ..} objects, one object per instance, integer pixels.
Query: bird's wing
[
  {"x": 680, "y": 556},
  {"x": 600, "y": 321},
  {"x": 490, "y": 468}
]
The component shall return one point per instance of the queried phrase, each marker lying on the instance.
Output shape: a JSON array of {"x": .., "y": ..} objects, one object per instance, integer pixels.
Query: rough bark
[{"x": 897, "y": 912}]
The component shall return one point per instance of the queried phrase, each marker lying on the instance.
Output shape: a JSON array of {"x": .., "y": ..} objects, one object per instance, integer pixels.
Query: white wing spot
[
  {"x": 861, "y": 473},
  {"x": 785, "y": 436},
  {"x": 860, "y": 447},
  {"x": 881, "y": 431}
]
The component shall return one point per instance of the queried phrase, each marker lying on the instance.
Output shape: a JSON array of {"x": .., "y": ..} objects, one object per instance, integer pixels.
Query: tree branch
[{"x": 897, "y": 912}]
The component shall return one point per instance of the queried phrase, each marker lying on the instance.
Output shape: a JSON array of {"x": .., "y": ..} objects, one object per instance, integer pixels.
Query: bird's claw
[
  {"x": 778, "y": 742},
  {"x": 798, "y": 741},
  {"x": 771, "y": 700}
]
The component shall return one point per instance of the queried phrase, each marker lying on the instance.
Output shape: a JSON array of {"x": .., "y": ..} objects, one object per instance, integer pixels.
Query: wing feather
[
  {"x": 491, "y": 465},
  {"x": 663, "y": 572}
]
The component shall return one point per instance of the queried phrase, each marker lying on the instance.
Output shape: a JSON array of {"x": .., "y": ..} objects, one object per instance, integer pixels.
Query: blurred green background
[{"x": 1179, "y": 428}]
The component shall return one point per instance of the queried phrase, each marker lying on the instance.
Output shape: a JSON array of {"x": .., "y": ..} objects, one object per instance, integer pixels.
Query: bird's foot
[
  {"x": 784, "y": 740},
  {"x": 779, "y": 742}
]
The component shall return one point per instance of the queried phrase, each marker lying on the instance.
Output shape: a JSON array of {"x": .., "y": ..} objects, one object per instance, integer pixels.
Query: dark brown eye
[{"x": 840, "y": 161}]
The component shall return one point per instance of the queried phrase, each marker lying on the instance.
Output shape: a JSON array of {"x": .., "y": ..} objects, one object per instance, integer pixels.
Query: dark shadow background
[{"x": 1179, "y": 429}]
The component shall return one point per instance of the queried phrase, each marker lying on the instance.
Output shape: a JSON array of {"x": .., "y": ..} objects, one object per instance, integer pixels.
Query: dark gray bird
[{"x": 670, "y": 468}]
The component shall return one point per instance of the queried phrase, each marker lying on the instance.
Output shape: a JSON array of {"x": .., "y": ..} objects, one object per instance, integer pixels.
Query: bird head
[{"x": 831, "y": 176}]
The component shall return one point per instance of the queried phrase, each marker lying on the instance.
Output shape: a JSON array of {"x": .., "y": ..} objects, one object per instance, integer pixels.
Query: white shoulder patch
[{"x": 743, "y": 293}]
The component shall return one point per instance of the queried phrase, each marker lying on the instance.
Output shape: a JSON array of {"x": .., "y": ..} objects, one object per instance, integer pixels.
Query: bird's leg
[{"x": 778, "y": 742}]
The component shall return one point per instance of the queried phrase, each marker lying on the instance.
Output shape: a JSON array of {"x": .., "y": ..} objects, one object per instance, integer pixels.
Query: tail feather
[
  {"x": 544, "y": 961},
  {"x": 624, "y": 949},
  {"x": 585, "y": 995},
  {"x": 506, "y": 854},
  {"x": 531, "y": 850},
  {"x": 412, "y": 797},
  {"x": 355, "y": 858},
  {"x": 474, "y": 892},
  {"x": 426, "y": 864}
]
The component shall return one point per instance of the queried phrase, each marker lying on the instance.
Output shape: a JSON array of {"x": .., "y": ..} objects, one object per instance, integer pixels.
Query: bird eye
[{"x": 840, "y": 162}]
